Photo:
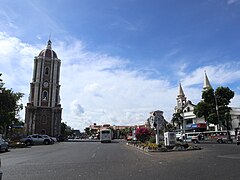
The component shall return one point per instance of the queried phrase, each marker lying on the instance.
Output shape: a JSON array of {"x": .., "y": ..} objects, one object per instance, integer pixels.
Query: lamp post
[
  {"x": 183, "y": 122},
  {"x": 183, "y": 126},
  {"x": 216, "y": 103}
]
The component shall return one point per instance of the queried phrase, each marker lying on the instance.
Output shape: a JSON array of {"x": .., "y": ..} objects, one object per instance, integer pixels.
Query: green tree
[
  {"x": 214, "y": 107},
  {"x": 203, "y": 109},
  {"x": 63, "y": 128},
  {"x": 169, "y": 127},
  {"x": 10, "y": 107},
  {"x": 87, "y": 131},
  {"x": 125, "y": 132},
  {"x": 66, "y": 130},
  {"x": 177, "y": 119}
]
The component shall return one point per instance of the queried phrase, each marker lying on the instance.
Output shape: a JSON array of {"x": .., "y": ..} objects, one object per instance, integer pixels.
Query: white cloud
[
  {"x": 100, "y": 88},
  {"x": 235, "y": 102},
  {"x": 219, "y": 75},
  {"x": 76, "y": 108},
  {"x": 232, "y": 1},
  {"x": 16, "y": 60}
]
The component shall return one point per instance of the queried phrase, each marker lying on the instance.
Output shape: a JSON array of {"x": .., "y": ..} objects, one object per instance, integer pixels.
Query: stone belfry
[
  {"x": 43, "y": 112},
  {"x": 181, "y": 99}
]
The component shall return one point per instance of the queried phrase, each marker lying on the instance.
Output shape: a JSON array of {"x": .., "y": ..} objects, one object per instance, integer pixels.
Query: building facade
[
  {"x": 189, "y": 122},
  {"x": 43, "y": 112},
  {"x": 192, "y": 123}
]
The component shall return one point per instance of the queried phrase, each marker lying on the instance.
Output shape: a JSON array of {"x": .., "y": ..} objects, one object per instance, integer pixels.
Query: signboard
[{"x": 194, "y": 125}]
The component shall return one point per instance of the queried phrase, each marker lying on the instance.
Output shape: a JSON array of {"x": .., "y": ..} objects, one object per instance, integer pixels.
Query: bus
[
  {"x": 105, "y": 135},
  {"x": 217, "y": 136}
]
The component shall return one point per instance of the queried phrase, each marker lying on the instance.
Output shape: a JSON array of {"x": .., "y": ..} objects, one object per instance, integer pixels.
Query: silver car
[
  {"x": 3, "y": 145},
  {"x": 37, "y": 139}
]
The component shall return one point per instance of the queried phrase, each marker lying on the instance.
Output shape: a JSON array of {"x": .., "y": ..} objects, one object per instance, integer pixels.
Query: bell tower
[
  {"x": 181, "y": 99},
  {"x": 43, "y": 112}
]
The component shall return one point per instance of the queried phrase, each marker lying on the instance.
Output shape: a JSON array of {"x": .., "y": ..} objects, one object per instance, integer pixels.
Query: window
[
  {"x": 46, "y": 71},
  {"x": 105, "y": 132},
  {"x": 45, "y": 95},
  {"x": 44, "y": 120},
  {"x": 34, "y": 136}
]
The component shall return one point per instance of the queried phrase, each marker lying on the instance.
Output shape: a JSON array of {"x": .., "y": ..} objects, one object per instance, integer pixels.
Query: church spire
[
  {"x": 206, "y": 83},
  {"x": 180, "y": 92}
]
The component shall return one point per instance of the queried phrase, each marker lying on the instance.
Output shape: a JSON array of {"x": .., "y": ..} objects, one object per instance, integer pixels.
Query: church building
[
  {"x": 192, "y": 123},
  {"x": 43, "y": 112},
  {"x": 189, "y": 122}
]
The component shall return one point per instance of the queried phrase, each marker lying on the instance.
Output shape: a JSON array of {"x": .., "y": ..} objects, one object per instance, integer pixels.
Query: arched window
[
  {"x": 45, "y": 95},
  {"x": 188, "y": 109},
  {"x": 44, "y": 120},
  {"x": 46, "y": 71},
  {"x": 43, "y": 131}
]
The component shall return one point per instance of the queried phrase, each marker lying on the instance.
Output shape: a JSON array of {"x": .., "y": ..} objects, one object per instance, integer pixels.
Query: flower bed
[{"x": 152, "y": 147}]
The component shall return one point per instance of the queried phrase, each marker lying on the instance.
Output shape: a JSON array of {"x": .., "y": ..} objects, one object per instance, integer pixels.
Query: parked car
[
  {"x": 0, "y": 170},
  {"x": 3, "y": 145},
  {"x": 129, "y": 138},
  {"x": 37, "y": 139},
  {"x": 53, "y": 139}
]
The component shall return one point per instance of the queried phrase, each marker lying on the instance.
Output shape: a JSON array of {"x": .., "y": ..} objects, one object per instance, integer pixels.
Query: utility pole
[{"x": 215, "y": 96}]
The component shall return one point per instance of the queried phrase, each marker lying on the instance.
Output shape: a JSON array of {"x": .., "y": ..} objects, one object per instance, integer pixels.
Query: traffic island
[
  {"x": 186, "y": 147},
  {"x": 151, "y": 147}
]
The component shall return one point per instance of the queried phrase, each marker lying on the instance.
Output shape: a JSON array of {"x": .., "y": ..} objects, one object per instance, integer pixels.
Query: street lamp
[{"x": 216, "y": 103}]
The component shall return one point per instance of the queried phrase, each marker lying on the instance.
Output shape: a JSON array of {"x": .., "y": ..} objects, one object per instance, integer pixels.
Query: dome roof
[{"x": 48, "y": 52}]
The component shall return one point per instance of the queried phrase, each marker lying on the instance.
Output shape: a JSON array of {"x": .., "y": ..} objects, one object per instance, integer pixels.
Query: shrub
[
  {"x": 142, "y": 134},
  {"x": 152, "y": 139},
  {"x": 152, "y": 146}
]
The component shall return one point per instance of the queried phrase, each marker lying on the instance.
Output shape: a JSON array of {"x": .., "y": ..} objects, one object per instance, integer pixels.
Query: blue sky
[{"x": 122, "y": 59}]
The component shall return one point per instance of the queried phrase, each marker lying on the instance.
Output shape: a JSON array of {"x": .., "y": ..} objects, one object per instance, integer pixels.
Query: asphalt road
[{"x": 97, "y": 161}]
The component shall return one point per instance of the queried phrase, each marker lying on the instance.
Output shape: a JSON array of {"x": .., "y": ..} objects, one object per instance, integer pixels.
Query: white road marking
[
  {"x": 232, "y": 156},
  {"x": 146, "y": 153},
  {"x": 93, "y": 155}
]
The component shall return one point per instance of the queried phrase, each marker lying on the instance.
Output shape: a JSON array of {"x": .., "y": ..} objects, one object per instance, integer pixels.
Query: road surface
[{"x": 110, "y": 161}]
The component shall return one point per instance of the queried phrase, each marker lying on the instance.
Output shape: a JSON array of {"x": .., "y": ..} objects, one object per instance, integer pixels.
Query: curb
[{"x": 165, "y": 149}]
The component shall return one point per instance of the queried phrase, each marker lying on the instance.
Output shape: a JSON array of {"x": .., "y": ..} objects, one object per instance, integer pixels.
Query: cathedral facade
[
  {"x": 43, "y": 112},
  {"x": 191, "y": 122}
]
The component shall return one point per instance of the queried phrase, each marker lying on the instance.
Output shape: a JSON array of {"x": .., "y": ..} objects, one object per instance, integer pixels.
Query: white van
[
  {"x": 190, "y": 137},
  {"x": 105, "y": 135}
]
